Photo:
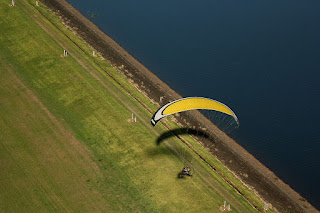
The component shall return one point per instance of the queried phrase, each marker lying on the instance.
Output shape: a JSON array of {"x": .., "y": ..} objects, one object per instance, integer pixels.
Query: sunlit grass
[{"x": 115, "y": 165}]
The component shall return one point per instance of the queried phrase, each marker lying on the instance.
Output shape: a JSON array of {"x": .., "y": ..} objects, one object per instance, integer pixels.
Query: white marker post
[
  {"x": 37, "y": 3},
  {"x": 265, "y": 206},
  {"x": 132, "y": 116},
  {"x": 135, "y": 119},
  {"x": 224, "y": 205},
  {"x": 94, "y": 53},
  {"x": 228, "y": 207},
  {"x": 13, "y": 4}
]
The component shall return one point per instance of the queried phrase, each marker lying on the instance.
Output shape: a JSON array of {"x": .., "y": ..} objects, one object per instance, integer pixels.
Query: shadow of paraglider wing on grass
[{"x": 181, "y": 131}]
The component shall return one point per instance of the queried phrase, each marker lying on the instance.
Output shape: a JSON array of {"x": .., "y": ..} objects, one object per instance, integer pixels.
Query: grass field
[{"x": 65, "y": 140}]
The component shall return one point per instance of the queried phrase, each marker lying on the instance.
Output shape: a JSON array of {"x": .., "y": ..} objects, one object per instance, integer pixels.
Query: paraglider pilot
[{"x": 185, "y": 171}]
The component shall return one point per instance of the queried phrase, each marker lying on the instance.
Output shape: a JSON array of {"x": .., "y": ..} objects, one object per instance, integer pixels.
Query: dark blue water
[{"x": 261, "y": 58}]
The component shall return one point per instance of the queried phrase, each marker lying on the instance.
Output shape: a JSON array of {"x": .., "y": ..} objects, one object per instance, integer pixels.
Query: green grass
[{"x": 66, "y": 143}]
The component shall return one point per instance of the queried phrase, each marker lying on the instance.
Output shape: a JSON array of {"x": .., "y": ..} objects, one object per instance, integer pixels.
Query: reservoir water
[{"x": 261, "y": 58}]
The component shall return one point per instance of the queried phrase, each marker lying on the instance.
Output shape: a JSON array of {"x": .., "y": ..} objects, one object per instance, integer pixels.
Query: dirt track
[{"x": 237, "y": 159}]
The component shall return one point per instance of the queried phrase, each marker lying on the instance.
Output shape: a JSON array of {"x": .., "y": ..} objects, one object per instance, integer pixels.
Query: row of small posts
[
  {"x": 227, "y": 208},
  {"x": 65, "y": 53},
  {"x": 13, "y": 4}
]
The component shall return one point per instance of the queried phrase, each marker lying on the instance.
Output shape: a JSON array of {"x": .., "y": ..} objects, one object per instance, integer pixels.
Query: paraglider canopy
[{"x": 191, "y": 103}]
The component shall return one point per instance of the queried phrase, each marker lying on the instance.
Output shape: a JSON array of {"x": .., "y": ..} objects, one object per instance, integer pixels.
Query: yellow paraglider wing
[{"x": 191, "y": 103}]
